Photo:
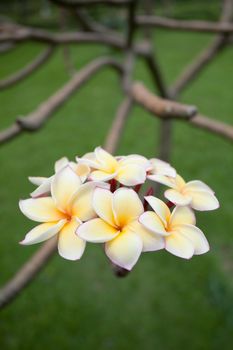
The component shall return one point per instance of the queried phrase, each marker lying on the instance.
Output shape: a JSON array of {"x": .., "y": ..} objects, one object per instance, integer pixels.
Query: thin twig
[
  {"x": 196, "y": 26},
  {"x": 192, "y": 70},
  {"x": 36, "y": 119},
  {"x": 28, "y": 69}
]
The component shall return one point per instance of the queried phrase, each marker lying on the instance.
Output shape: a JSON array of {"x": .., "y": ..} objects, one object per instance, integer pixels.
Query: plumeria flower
[
  {"x": 153, "y": 166},
  {"x": 118, "y": 227},
  {"x": 193, "y": 193},
  {"x": 105, "y": 167},
  {"x": 181, "y": 237},
  {"x": 44, "y": 183},
  {"x": 61, "y": 213}
]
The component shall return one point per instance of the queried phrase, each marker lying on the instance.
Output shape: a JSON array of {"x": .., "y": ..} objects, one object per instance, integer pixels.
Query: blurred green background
[{"x": 166, "y": 302}]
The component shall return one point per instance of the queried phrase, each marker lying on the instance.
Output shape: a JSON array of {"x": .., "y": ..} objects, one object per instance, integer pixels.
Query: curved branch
[
  {"x": 191, "y": 71},
  {"x": 28, "y": 69},
  {"x": 167, "y": 109},
  {"x": 118, "y": 124},
  {"x": 36, "y": 119},
  {"x": 162, "y": 108},
  {"x": 27, "y": 272},
  {"x": 77, "y": 3},
  {"x": 196, "y": 26},
  {"x": 214, "y": 126}
]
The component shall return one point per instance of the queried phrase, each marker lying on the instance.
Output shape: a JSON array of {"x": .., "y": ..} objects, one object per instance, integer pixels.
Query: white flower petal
[
  {"x": 152, "y": 222},
  {"x": 43, "y": 189},
  {"x": 182, "y": 215},
  {"x": 160, "y": 208},
  {"x": 203, "y": 200},
  {"x": 70, "y": 246},
  {"x": 81, "y": 204},
  {"x": 196, "y": 236},
  {"x": 159, "y": 167},
  {"x": 177, "y": 198},
  {"x": 102, "y": 204},
  {"x": 131, "y": 174},
  {"x": 37, "y": 180},
  {"x": 164, "y": 180},
  {"x": 64, "y": 184},
  {"x": 97, "y": 231},
  {"x": 151, "y": 242},
  {"x": 60, "y": 164},
  {"x": 82, "y": 170},
  {"x": 177, "y": 244},
  {"x": 100, "y": 175},
  {"x": 127, "y": 206},
  {"x": 197, "y": 185},
  {"x": 125, "y": 249},
  {"x": 40, "y": 209},
  {"x": 107, "y": 161},
  {"x": 43, "y": 232},
  {"x": 135, "y": 159}
]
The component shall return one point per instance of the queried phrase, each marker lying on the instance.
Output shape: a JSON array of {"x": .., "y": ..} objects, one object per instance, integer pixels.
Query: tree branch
[
  {"x": 192, "y": 70},
  {"x": 28, "y": 69},
  {"x": 77, "y": 3},
  {"x": 36, "y": 119},
  {"x": 196, "y": 26},
  {"x": 162, "y": 108}
]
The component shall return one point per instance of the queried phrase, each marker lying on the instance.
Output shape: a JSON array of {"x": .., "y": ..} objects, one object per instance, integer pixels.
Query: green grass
[{"x": 166, "y": 302}]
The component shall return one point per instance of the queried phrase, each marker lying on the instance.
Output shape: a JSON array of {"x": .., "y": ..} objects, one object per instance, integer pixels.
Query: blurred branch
[
  {"x": 160, "y": 107},
  {"x": 196, "y": 26},
  {"x": 192, "y": 70},
  {"x": 77, "y": 3},
  {"x": 164, "y": 108},
  {"x": 18, "y": 33},
  {"x": 89, "y": 24},
  {"x": 28, "y": 69},
  {"x": 214, "y": 126},
  {"x": 118, "y": 124},
  {"x": 36, "y": 119}
]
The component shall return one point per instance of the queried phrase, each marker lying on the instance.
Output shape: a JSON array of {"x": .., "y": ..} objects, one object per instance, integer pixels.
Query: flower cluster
[{"x": 97, "y": 199}]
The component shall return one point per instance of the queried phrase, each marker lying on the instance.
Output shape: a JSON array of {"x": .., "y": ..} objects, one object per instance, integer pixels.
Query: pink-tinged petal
[
  {"x": 151, "y": 242},
  {"x": 97, "y": 231},
  {"x": 182, "y": 215},
  {"x": 43, "y": 189},
  {"x": 197, "y": 185},
  {"x": 70, "y": 246},
  {"x": 203, "y": 200},
  {"x": 131, "y": 174},
  {"x": 107, "y": 161},
  {"x": 164, "y": 180},
  {"x": 37, "y": 180},
  {"x": 152, "y": 222},
  {"x": 159, "y": 167},
  {"x": 125, "y": 249},
  {"x": 196, "y": 236},
  {"x": 41, "y": 209},
  {"x": 81, "y": 205},
  {"x": 135, "y": 159},
  {"x": 64, "y": 185},
  {"x": 61, "y": 163},
  {"x": 43, "y": 232},
  {"x": 177, "y": 198},
  {"x": 102, "y": 204},
  {"x": 179, "y": 245},
  {"x": 99, "y": 175},
  {"x": 160, "y": 208},
  {"x": 127, "y": 206}
]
